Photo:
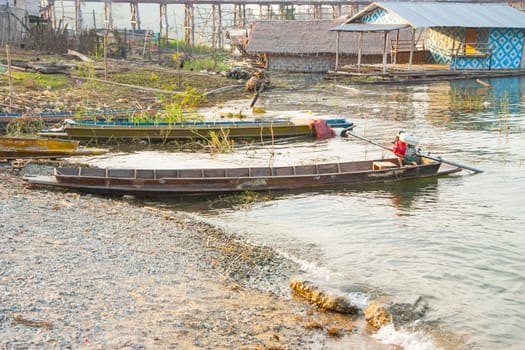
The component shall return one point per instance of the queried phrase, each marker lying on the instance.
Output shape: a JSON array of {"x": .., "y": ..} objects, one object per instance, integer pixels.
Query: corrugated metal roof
[
  {"x": 445, "y": 14},
  {"x": 365, "y": 27}
]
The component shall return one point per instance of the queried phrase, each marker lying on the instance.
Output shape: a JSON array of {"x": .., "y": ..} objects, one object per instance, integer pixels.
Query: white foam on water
[
  {"x": 408, "y": 340},
  {"x": 307, "y": 266},
  {"x": 360, "y": 300}
]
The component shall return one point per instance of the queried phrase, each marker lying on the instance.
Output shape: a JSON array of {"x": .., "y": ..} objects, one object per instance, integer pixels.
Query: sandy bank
[{"x": 78, "y": 270}]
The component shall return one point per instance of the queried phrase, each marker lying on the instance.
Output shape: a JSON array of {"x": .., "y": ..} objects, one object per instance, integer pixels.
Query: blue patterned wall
[
  {"x": 439, "y": 42},
  {"x": 507, "y": 47},
  {"x": 381, "y": 16}
]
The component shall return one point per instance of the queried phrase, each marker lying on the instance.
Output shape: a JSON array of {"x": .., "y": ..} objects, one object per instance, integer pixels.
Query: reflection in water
[
  {"x": 473, "y": 105},
  {"x": 456, "y": 241},
  {"x": 404, "y": 196}
]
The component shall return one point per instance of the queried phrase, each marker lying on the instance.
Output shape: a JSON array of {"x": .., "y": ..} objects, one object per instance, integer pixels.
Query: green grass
[{"x": 38, "y": 81}]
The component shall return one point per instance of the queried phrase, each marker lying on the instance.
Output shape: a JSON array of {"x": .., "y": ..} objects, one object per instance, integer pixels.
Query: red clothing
[
  {"x": 399, "y": 148},
  {"x": 322, "y": 130}
]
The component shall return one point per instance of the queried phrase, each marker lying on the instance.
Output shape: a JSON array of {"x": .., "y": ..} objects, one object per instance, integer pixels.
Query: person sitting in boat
[
  {"x": 405, "y": 149},
  {"x": 399, "y": 147}
]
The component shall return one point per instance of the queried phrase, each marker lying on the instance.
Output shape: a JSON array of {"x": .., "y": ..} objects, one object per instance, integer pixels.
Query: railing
[
  {"x": 406, "y": 46},
  {"x": 473, "y": 50}
]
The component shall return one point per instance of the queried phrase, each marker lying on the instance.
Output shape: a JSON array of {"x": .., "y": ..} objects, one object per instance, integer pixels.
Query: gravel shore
[{"x": 80, "y": 271}]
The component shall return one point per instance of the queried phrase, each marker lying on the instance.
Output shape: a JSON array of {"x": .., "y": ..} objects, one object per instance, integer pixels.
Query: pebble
[{"x": 112, "y": 274}]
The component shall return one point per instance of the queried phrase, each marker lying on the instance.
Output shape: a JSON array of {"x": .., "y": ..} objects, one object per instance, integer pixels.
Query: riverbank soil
[
  {"x": 79, "y": 270},
  {"x": 81, "y": 87}
]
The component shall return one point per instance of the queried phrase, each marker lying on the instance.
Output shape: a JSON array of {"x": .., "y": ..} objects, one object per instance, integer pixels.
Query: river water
[{"x": 457, "y": 242}]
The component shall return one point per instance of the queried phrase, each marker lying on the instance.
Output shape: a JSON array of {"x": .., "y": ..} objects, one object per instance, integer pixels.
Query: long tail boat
[
  {"x": 49, "y": 118},
  {"x": 25, "y": 147},
  {"x": 163, "y": 132},
  {"x": 166, "y": 183}
]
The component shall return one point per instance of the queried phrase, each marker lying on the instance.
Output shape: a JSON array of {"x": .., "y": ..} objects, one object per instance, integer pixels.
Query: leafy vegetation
[{"x": 24, "y": 126}]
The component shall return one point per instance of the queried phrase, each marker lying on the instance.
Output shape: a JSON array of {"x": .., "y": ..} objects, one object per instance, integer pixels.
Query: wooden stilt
[
  {"x": 9, "y": 76},
  {"x": 385, "y": 43},
  {"x": 221, "y": 42},
  {"x": 412, "y": 47},
  {"x": 78, "y": 17},
  {"x": 213, "y": 26},
  {"x": 133, "y": 15},
  {"x": 360, "y": 51},
  {"x": 163, "y": 14},
  {"x": 337, "y": 51},
  {"x": 187, "y": 24},
  {"x": 108, "y": 16}
]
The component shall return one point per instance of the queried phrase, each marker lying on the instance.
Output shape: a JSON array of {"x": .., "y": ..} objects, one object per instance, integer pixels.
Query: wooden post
[
  {"x": 106, "y": 54},
  {"x": 385, "y": 42},
  {"x": 219, "y": 25},
  {"x": 235, "y": 21},
  {"x": 9, "y": 76},
  {"x": 213, "y": 26},
  {"x": 452, "y": 52},
  {"x": 163, "y": 17},
  {"x": 133, "y": 17},
  {"x": 360, "y": 51},
  {"x": 243, "y": 16},
  {"x": 187, "y": 23},
  {"x": 192, "y": 29},
  {"x": 337, "y": 51},
  {"x": 412, "y": 47},
  {"x": 78, "y": 17},
  {"x": 394, "y": 60},
  {"x": 108, "y": 16}
]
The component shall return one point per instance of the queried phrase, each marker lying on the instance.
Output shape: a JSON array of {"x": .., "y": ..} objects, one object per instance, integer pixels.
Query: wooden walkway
[{"x": 419, "y": 72}]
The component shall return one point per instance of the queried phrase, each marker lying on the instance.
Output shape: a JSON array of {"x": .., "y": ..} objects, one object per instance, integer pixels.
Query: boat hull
[
  {"x": 167, "y": 133},
  {"x": 196, "y": 130},
  {"x": 20, "y": 148},
  {"x": 177, "y": 182}
]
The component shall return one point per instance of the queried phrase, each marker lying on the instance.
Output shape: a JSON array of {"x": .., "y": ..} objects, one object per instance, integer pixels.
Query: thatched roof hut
[
  {"x": 307, "y": 38},
  {"x": 309, "y": 46}
]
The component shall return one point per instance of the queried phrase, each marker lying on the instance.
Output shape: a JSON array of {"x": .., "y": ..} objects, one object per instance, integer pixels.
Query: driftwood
[
  {"x": 20, "y": 320},
  {"x": 46, "y": 68},
  {"x": 82, "y": 57},
  {"x": 222, "y": 89}
]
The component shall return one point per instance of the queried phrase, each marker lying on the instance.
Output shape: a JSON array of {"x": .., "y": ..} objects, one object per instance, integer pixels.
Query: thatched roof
[{"x": 310, "y": 37}]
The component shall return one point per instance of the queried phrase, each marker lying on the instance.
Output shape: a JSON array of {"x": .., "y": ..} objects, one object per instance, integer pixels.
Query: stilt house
[
  {"x": 460, "y": 35},
  {"x": 309, "y": 46}
]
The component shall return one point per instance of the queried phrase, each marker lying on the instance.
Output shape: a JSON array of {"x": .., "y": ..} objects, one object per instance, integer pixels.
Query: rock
[
  {"x": 326, "y": 301},
  {"x": 377, "y": 316}
]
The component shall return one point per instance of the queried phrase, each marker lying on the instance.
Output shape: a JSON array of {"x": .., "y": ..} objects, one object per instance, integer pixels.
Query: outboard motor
[{"x": 405, "y": 147}]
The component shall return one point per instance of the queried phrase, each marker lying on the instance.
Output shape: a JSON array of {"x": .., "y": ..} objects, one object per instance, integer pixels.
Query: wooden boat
[
  {"x": 22, "y": 147},
  {"x": 197, "y": 130},
  {"x": 175, "y": 182},
  {"x": 50, "y": 118}
]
